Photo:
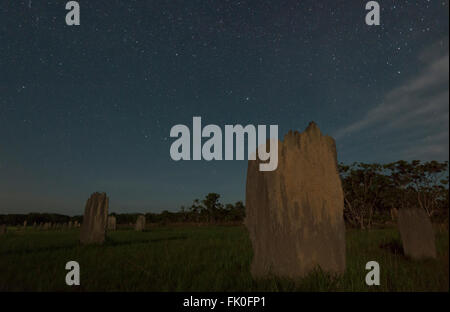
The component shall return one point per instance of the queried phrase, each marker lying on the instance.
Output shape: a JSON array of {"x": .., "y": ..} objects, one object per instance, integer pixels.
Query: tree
[
  {"x": 213, "y": 207},
  {"x": 363, "y": 186}
]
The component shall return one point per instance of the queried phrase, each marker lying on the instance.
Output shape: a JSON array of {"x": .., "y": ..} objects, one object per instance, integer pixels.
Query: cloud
[
  {"x": 431, "y": 147},
  {"x": 420, "y": 105}
]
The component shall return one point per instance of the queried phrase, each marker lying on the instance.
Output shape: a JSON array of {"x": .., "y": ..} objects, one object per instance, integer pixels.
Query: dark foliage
[{"x": 373, "y": 194}]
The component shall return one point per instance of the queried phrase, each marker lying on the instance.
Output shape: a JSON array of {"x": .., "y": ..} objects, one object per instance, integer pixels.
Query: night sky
[{"x": 89, "y": 108}]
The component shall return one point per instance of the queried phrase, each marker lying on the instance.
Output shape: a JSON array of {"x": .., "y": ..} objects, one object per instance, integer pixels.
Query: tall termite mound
[
  {"x": 95, "y": 218},
  {"x": 294, "y": 214}
]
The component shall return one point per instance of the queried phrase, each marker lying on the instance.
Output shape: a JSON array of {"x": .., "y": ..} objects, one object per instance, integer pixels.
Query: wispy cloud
[{"x": 421, "y": 103}]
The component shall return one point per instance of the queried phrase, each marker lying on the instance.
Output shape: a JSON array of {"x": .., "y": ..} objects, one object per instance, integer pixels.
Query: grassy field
[{"x": 207, "y": 258}]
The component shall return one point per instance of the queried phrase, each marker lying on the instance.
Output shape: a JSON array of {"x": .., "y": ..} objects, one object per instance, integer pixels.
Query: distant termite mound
[
  {"x": 140, "y": 223},
  {"x": 417, "y": 233},
  {"x": 294, "y": 214},
  {"x": 112, "y": 223},
  {"x": 94, "y": 224}
]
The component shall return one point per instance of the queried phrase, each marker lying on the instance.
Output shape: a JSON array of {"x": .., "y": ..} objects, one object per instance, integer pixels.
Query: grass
[{"x": 207, "y": 258}]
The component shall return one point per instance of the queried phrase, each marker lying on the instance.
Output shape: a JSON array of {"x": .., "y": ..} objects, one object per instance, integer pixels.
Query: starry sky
[{"x": 89, "y": 108}]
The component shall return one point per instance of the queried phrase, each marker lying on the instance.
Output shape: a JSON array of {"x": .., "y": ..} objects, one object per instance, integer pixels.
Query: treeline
[
  {"x": 34, "y": 217},
  {"x": 373, "y": 193},
  {"x": 208, "y": 210}
]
